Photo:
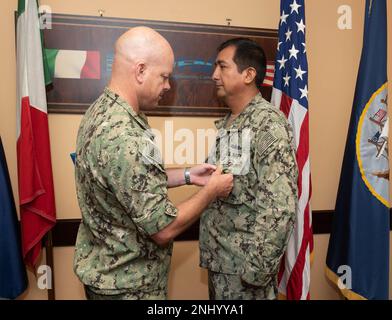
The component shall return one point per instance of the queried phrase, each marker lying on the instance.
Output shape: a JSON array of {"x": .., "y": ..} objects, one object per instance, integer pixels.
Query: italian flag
[
  {"x": 35, "y": 182},
  {"x": 73, "y": 64}
]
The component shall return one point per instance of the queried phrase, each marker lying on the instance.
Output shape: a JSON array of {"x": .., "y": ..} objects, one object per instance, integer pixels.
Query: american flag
[
  {"x": 290, "y": 94},
  {"x": 380, "y": 115},
  {"x": 269, "y": 74}
]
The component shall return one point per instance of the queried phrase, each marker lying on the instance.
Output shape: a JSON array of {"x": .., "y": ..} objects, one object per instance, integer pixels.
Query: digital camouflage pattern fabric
[
  {"x": 246, "y": 234},
  {"x": 137, "y": 295},
  {"x": 223, "y": 286},
  {"x": 122, "y": 193}
]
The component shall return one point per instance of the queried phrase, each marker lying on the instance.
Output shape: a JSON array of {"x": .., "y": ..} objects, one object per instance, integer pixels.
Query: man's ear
[
  {"x": 250, "y": 75},
  {"x": 140, "y": 71}
]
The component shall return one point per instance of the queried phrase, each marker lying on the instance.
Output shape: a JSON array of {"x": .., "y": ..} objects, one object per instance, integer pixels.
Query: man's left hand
[{"x": 200, "y": 174}]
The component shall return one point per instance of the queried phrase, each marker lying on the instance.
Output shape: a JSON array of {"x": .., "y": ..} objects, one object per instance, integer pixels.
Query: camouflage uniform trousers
[
  {"x": 223, "y": 286},
  {"x": 138, "y": 295}
]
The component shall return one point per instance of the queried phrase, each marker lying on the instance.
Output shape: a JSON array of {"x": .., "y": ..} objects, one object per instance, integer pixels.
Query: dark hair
[{"x": 248, "y": 53}]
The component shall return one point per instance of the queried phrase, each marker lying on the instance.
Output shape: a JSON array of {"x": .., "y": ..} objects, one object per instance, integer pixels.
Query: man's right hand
[{"x": 221, "y": 183}]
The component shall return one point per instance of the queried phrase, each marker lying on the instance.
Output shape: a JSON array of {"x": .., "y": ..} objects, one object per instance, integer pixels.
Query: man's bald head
[
  {"x": 142, "y": 43},
  {"x": 143, "y": 62}
]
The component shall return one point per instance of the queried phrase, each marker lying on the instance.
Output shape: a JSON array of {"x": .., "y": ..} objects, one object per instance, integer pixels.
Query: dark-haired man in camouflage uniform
[
  {"x": 124, "y": 241},
  {"x": 243, "y": 237}
]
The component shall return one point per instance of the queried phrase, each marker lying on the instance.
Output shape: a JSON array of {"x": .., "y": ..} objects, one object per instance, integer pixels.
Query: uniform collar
[
  {"x": 238, "y": 122},
  {"x": 140, "y": 118}
]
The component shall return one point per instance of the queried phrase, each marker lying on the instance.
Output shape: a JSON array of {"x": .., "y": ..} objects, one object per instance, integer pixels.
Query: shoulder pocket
[
  {"x": 151, "y": 155},
  {"x": 266, "y": 140}
]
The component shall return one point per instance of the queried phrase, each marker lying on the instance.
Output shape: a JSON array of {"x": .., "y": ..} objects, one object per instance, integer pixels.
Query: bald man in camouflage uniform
[
  {"x": 124, "y": 242},
  {"x": 243, "y": 237}
]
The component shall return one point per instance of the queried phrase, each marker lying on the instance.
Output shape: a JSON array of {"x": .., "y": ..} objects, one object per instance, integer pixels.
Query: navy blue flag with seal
[
  {"x": 13, "y": 279},
  {"x": 358, "y": 252}
]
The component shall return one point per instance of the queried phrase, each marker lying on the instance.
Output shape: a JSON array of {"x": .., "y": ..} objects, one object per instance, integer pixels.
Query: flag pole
[{"x": 49, "y": 262}]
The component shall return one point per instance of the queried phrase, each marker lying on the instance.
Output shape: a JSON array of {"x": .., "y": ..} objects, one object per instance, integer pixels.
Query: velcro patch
[
  {"x": 151, "y": 154},
  {"x": 265, "y": 141}
]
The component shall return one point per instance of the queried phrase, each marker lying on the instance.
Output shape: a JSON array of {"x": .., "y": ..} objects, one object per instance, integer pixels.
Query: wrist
[{"x": 212, "y": 190}]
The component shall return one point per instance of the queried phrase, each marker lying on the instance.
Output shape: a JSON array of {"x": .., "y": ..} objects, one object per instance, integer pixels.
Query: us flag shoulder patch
[{"x": 266, "y": 140}]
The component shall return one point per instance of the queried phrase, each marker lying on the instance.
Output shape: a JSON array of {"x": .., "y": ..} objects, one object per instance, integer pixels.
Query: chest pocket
[
  {"x": 233, "y": 151},
  {"x": 243, "y": 191}
]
